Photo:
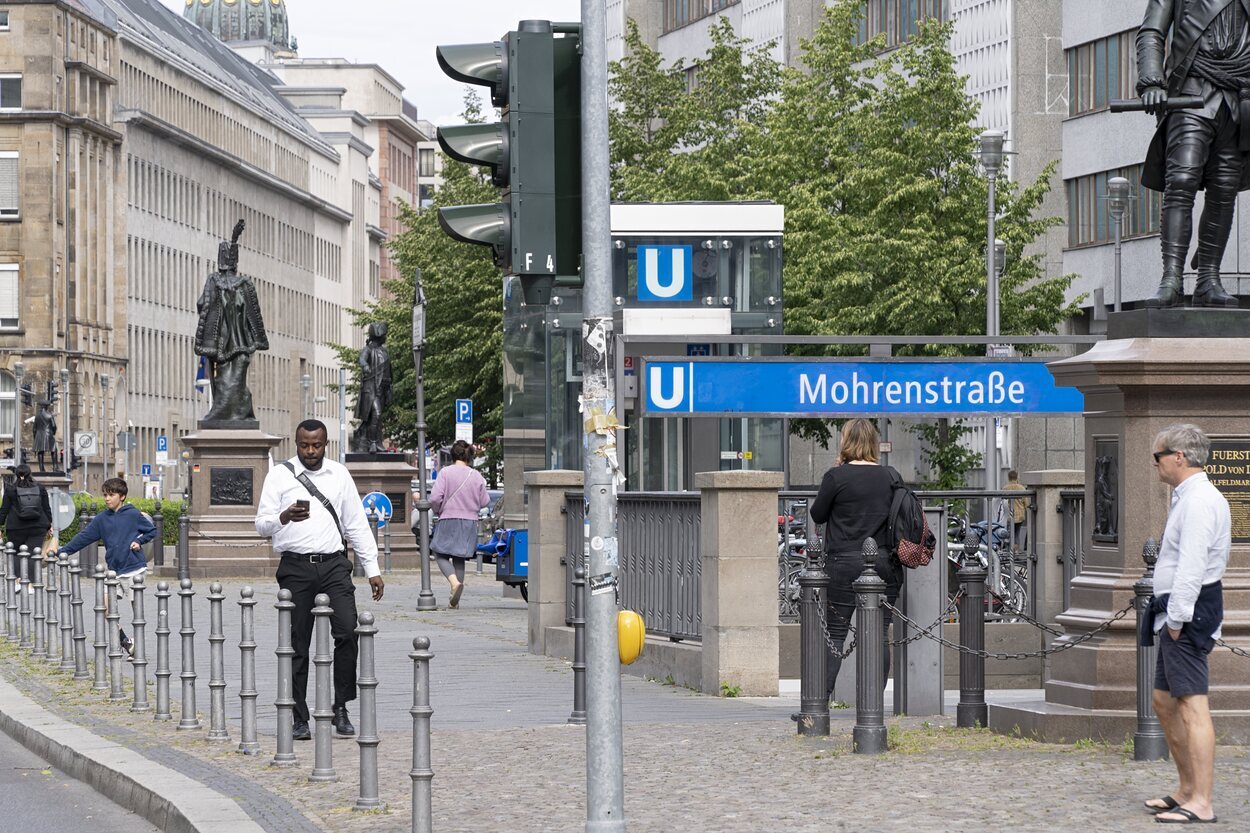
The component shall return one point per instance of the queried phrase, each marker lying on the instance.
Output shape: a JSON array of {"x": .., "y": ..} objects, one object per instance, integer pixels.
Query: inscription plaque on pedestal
[
  {"x": 1229, "y": 471},
  {"x": 229, "y": 486}
]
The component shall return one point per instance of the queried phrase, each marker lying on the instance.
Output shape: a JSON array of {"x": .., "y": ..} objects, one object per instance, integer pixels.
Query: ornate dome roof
[{"x": 242, "y": 20}]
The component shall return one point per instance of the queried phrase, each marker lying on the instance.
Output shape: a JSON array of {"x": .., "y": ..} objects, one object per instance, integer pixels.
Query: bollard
[
  {"x": 80, "y": 629},
  {"x": 38, "y": 598},
  {"x": 66, "y": 594},
  {"x": 101, "y": 632},
  {"x": 117, "y": 691},
  {"x": 285, "y": 702},
  {"x": 422, "y": 773},
  {"x": 11, "y": 626},
  {"x": 51, "y": 604},
  {"x": 158, "y": 541},
  {"x": 189, "y": 720},
  {"x": 140, "y": 658},
  {"x": 578, "y": 717},
  {"x": 248, "y": 744},
  {"x": 23, "y": 597},
  {"x": 386, "y": 547},
  {"x": 480, "y": 559},
  {"x": 162, "y": 652},
  {"x": 1149, "y": 742},
  {"x": 868, "y": 736},
  {"x": 813, "y": 650},
  {"x": 323, "y": 768},
  {"x": 216, "y": 665},
  {"x": 971, "y": 712},
  {"x": 368, "y": 739},
  {"x": 184, "y": 545}
]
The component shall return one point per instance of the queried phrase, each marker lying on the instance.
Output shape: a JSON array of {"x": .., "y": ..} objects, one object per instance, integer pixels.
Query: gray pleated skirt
[{"x": 454, "y": 538}]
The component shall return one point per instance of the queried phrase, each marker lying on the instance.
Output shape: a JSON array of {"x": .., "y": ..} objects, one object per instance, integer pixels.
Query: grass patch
[{"x": 930, "y": 738}]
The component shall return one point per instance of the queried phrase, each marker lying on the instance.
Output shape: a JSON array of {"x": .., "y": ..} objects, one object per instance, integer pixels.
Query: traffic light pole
[{"x": 605, "y": 780}]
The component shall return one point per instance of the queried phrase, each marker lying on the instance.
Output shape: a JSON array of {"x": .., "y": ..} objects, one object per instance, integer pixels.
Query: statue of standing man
[
  {"x": 230, "y": 330},
  {"x": 375, "y": 390},
  {"x": 45, "y": 433},
  {"x": 1200, "y": 148}
]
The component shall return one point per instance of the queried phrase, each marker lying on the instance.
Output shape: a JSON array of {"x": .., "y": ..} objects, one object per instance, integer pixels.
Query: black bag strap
[
  {"x": 307, "y": 483},
  {"x": 898, "y": 490}
]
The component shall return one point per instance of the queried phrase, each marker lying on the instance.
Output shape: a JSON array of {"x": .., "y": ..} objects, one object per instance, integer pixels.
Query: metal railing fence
[{"x": 1072, "y": 507}]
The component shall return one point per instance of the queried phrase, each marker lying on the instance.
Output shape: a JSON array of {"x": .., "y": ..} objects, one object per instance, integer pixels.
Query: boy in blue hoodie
[{"x": 124, "y": 530}]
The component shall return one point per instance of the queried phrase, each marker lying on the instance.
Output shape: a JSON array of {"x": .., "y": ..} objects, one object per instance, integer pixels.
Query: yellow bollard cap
[{"x": 631, "y": 634}]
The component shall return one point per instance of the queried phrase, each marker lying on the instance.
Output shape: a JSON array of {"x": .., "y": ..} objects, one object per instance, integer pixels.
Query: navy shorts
[{"x": 1182, "y": 668}]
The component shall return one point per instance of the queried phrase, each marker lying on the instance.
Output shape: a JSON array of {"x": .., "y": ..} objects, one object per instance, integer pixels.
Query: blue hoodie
[{"x": 117, "y": 530}]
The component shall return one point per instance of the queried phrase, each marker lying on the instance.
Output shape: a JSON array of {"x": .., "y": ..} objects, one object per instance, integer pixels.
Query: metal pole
[
  {"x": 386, "y": 547},
  {"x": 51, "y": 606},
  {"x": 1149, "y": 742},
  {"x": 343, "y": 415},
  {"x": 284, "y": 756},
  {"x": 23, "y": 598},
  {"x": 39, "y": 598},
  {"x": 117, "y": 691},
  {"x": 422, "y": 774},
  {"x": 216, "y": 665},
  {"x": 813, "y": 653},
  {"x": 605, "y": 760},
  {"x": 158, "y": 542},
  {"x": 189, "y": 720},
  {"x": 323, "y": 659},
  {"x": 425, "y": 599},
  {"x": 869, "y": 734},
  {"x": 184, "y": 545},
  {"x": 368, "y": 739},
  {"x": 104, "y": 432},
  {"x": 10, "y": 593},
  {"x": 1117, "y": 200},
  {"x": 67, "y": 614},
  {"x": 100, "y": 683},
  {"x": 578, "y": 716},
  {"x": 162, "y": 652},
  {"x": 248, "y": 744},
  {"x": 141, "y": 656},
  {"x": 67, "y": 434},
  {"x": 972, "y": 711},
  {"x": 19, "y": 374},
  {"x": 80, "y": 630}
]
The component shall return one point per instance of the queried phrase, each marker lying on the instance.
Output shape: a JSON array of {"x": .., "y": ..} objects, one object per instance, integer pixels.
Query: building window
[
  {"x": 10, "y": 191},
  {"x": 692, "y": 78},
  {"x": 4, "y": 20},
  {"x": 899, "y": 20},
  {"x": 1089, "y": 218},
  {"x": 425, "y": 195},
  {"x": 1101, "y": 71},
  {"x": 10, "y": 92},
  {"x": 9, "y": 303},
  {"x": 426, "y": 157},
  {"x": 679, "y": 13}
]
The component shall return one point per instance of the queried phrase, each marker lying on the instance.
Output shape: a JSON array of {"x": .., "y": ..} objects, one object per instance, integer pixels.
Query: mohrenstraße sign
[{"x": 856, "y": 387}]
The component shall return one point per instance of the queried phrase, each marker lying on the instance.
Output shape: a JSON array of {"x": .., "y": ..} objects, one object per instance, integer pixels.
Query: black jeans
[
  {"x": 843, "y": 569},
  {"x": 305, "y": 580}
]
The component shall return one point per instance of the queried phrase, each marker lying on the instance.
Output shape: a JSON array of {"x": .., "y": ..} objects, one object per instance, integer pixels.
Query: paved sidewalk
[{"x": 505, "y": 759}]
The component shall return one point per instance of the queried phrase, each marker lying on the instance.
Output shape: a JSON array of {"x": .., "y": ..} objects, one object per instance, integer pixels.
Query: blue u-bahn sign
[{"x": 842, "y": 388}]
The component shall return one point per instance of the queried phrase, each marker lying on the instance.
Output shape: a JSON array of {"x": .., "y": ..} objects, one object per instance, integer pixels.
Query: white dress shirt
[
  {"x": 318, "y": 534},
  {"x": 1194, "y": 551}
]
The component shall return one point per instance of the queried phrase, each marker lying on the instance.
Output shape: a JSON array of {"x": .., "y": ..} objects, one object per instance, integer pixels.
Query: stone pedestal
[
  {"x": 227, "y": 470},
  {"x": 391, "y": 475},
  {"x": 548, "y": 549},
  {"x": 1136, "y": 384}
]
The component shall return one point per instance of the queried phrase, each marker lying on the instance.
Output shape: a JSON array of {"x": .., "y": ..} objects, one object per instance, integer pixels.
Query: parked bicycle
[
  {"x": 1007, "y": 582},
  {"x": 791, "y": 557}
]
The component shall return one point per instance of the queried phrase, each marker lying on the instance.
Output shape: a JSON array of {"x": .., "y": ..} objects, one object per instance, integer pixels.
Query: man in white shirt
[
  {"x": 1189, "y": 607},
  {"x": 311, "y": 536}
]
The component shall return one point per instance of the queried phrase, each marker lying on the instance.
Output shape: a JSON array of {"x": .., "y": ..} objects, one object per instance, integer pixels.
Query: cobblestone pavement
[{"x": 505, "y": 760}]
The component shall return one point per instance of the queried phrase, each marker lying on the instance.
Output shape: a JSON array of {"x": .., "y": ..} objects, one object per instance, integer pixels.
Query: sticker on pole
[
  {"x": 378, "y": 505},
  {"x": 602, "y": 584}
]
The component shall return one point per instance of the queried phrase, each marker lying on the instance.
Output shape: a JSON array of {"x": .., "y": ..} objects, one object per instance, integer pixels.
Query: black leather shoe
[
  {"x": 342, "y": 725},
  {"x": 1169, "y": 294},
  {"x": 1210, "y": 293},
  {"x": 300, "y": 731}
]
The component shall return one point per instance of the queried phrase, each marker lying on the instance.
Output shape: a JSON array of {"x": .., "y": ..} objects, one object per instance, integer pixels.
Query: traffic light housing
[{"x": 534, "y": 154}]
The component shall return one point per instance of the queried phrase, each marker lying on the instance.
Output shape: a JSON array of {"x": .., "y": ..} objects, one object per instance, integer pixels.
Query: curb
[{"x": 167, "y": 799}]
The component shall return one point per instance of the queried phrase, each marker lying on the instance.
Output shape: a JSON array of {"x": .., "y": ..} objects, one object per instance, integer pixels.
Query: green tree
[{"x": 464, "y": 319}]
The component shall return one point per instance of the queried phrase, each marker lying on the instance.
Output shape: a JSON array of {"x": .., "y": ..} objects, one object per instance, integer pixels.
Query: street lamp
[
  {"x": 305, "y": 382},
  {"x": 1117, "y": 201},
  {"x": 991, "y": 155},
  {"x": 66, "y": 433},
  {"x": 19, "y": 373},
  {"x": 425, "y": 600},
  {"x": 104, "y": 433},
  {"x": 343, "y": 415}
]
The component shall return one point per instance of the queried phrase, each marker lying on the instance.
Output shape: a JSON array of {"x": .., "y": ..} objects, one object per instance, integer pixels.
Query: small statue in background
[{"x": 375, "y": 390}]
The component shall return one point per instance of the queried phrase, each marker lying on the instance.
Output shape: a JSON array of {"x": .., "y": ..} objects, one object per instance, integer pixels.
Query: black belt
[{"x": 314, "y": 557}]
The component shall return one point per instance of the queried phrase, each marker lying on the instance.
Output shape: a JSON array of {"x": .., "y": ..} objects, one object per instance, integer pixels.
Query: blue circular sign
[{"x": 379, "y": 505}]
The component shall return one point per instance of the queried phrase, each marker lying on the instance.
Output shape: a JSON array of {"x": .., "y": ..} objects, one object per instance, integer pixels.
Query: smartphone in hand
[{"x": 302, "y": 504}]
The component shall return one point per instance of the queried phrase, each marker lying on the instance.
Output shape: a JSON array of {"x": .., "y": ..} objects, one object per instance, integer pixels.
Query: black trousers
[
  {"x": 1204, "y": 153},
  {"x": 305, "y": 580},
  {"x": 843, "y": 569}
]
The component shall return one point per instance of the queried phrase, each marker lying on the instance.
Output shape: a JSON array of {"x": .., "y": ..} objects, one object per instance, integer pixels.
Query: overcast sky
[{"x": 400, "y": 36}]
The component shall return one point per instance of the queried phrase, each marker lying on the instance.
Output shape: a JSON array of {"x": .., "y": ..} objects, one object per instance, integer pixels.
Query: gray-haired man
[{"x": 1189, "y": 608}]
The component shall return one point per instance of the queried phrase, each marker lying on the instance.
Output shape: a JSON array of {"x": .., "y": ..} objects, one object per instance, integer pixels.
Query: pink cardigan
[{"x": 459, "y": 492}]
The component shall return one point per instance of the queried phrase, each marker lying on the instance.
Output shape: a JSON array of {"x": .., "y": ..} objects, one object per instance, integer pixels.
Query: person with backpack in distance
[
  {"x": 25, "y": 513},
  {"x": 124, "y": 530},
  {"x": 861, "y": 499}
]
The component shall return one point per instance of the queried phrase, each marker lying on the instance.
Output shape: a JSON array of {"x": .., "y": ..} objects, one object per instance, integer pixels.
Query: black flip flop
[
  {"x": 1169, "y": 802},
  {"x": 1190, "y": 817}
]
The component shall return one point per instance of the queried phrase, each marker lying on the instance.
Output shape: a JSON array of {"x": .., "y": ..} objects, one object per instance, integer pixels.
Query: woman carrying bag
[
  {"x": 25, "y": 513},
  {"x": 459, "y": 494}
]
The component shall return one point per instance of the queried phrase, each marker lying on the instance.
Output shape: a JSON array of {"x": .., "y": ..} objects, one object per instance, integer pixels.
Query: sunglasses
[{"x": 1159, "y": 455}]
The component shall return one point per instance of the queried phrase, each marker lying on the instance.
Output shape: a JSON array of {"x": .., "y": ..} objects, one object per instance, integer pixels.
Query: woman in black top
[
  {"x": 19, "y": 530},
  {"x": 854, "y": 503}
]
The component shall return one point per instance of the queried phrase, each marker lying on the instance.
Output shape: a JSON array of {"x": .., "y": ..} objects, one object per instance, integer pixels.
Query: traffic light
[{"x": 534, "y": 154}]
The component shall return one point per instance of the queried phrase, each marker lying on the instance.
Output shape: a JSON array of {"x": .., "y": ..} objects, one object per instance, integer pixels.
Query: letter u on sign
[
  {"x": 664, "y": 273},
  {"x": 669, "y": 387}
]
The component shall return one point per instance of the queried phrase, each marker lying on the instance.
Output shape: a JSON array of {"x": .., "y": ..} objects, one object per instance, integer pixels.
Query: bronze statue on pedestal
[{"x": 375, "y": 390}]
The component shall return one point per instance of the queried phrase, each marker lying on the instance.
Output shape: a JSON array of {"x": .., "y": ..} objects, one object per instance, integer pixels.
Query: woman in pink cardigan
[{"x": 458, "y": 494}]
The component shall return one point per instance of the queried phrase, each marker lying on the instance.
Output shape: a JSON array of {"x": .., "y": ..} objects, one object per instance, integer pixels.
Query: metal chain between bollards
[
  {"x": 140, "y": 658},
  {"x": 937, "y": 623},
  {"x": 189, "y": 719},
  {"x": 1241, "y": 652},
  {"x": 216, "y": 665},
  {"x": 248, "y": 743},
  {"x": 836, "y": 650},
  {"x": 323, "y": 659},
  {"x": 284, "y": 756},
  {"x": 163, "y": 672},
  {"x": 367, "y": 740},
  {"x": 422, "y": 773}
]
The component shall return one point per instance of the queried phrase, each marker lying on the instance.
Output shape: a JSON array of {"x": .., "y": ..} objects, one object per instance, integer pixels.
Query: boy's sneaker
[{"x": 127, "y": 645}]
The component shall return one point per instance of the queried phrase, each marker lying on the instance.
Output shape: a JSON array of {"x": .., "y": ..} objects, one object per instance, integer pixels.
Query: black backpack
[
  {"x": 907, "y": 529},
  {"x": 28, "y": 502}
]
